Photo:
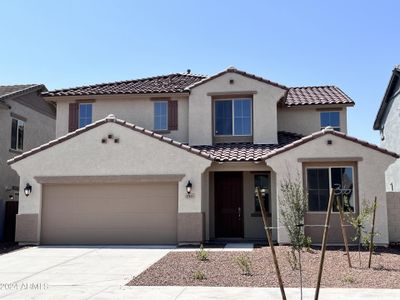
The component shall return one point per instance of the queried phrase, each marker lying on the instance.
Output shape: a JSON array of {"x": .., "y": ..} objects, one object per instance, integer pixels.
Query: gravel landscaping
[{"x": 222, "y": 269}]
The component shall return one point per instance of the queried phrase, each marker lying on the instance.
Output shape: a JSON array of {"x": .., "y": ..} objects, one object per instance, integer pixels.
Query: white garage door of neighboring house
[{"x": 138, "y": 213}]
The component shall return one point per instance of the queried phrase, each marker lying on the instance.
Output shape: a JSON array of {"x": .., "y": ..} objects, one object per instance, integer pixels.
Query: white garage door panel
[{"x": 142, "y": 213}]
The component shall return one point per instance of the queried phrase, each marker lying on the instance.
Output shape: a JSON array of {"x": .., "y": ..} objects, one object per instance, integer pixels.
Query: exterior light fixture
[
  {"x": 189, "y": 187},
  {"x": 27, "y": 189}
]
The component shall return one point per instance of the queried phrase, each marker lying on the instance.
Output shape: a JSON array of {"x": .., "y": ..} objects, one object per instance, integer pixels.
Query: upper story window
[
  {"x": 17, "y": 134},
  {"x": 161, "y": 115},
  {"x": 233, "y": 117},
  {"x": 319, "y": 182},
  {"x": 330, "y": 118},
  {"x": 85, "y": 114}
]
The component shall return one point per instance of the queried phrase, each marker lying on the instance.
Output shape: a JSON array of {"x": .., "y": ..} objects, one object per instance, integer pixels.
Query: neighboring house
[
  {"x": 388, "y": 123},
  {"x": 27, "y": 121},
  {"x": 180, "y": 156}
]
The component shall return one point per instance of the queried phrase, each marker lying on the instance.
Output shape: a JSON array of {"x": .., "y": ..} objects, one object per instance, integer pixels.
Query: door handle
[{"x": 239, "y": 212}]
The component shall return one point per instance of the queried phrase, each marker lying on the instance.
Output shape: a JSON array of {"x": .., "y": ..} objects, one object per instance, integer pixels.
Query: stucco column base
[
  {"x": 191, "y": 227},
  {"x": 26, "y": 228}
]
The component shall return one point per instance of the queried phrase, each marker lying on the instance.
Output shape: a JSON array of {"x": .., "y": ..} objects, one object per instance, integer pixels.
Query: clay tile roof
[
  {"x": 183, "y": 82},
  {"x": 237, "y": 152},
  {"x": 325, "y": 131},
  {"x": 171, "y": 83},
  {"x": 315, "y": 95},
  {"x": 243, "y": 73}
]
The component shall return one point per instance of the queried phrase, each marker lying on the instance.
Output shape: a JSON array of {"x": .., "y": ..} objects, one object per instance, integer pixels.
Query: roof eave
[
  {"x": 385, "y": 102},
  {"x": 27, "y": 90},
  {"x": 321, "y": 133},
  {"x": 150, "y": 94}
]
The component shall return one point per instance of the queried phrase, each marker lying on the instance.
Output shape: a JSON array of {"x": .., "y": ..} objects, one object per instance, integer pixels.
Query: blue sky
[{"x": 350, "y": 44}]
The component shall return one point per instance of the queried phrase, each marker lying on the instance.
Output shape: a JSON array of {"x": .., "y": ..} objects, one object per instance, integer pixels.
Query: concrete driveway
[{"x": 72, "y": 272}]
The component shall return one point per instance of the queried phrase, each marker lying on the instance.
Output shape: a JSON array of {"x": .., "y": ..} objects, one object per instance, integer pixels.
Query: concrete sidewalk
[{"x": 239, "y": 293}]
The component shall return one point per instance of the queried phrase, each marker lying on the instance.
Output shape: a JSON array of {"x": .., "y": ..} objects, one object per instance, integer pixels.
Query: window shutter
[
  {"x": 172, "y": 115},
  {"x": 73, "y": 117}
]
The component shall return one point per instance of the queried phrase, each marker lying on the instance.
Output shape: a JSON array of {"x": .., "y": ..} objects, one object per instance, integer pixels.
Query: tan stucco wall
[
  {"x": 306, "y": 120},
  {"x": 371, "y": 179},
  {"x": 135, "y": 154},
  {"x": 138, "y": 110},
  {"x": 264, "y": 107},
  {"x": 393, "y": 209},
  {"x": 38, "y": 130}
]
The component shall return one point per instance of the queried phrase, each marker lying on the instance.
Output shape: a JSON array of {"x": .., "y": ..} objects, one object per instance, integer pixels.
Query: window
[
  {"x": 17, "y": 134},
  {"x": 85, "y": 114},
  {"x": 161, "y": 115},
  {"x": 233, "y": 117},
  {"x": 262, "y": 181},
  {"x": 321, "y": 180},
  {"x": 330, "y": 118}
]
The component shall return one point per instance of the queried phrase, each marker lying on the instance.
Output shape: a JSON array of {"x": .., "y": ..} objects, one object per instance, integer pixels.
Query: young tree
[{"x": 293, "y": 206}]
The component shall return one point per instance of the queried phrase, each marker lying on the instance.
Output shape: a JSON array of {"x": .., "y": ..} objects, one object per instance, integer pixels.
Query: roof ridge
[
  {"x": 328, "y": 130},
  {"x": 313, "y": 86},
  {"x": 110, "y": 119},
  {"x": 232, "y": 69},
  {"x": 26, "y": 88},
  {"x": 125, "y": 81}
]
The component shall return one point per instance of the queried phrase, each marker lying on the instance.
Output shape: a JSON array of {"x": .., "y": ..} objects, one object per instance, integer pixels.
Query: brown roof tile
[
  {"x": 316, "y": 95},
  {"x": 171, "y": 83},
  {"x": 237, "y": 152},
  {"x": 183, "y": 82}
]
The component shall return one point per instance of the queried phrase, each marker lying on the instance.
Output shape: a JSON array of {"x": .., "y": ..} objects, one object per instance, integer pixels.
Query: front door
[{"x": 228, "y": 188}]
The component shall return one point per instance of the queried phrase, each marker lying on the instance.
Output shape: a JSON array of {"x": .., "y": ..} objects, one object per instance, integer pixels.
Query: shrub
[
  {"x": 202, "y": 254},
  {"x": 348, "y": 279},
  {"x": 244, "y": 264},
  {"x": 199, "y": 275}
]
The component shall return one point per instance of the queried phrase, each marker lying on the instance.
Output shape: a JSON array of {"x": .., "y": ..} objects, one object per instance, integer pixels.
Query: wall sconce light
[
  {"x": 189, "y": 187},
  {"x": 27, "y": 189}
]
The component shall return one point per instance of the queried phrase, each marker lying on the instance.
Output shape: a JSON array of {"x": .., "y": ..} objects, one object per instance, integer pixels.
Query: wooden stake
[
  {"x": 371, "y": 243},
  {"x": 269, "y": 237},
  {"x": 344, "y": 234},
  {"x": 324, "y": 242}
]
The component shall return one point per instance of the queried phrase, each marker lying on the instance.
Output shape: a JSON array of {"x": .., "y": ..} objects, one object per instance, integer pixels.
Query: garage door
[{"x": 142, "y": 213}]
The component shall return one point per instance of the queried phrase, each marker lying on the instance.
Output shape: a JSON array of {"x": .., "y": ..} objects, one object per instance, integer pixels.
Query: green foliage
[
  {"x": 348, "y": 279},
  {"x": 293, "y": 206},
  {"x": 202, "y": 254},
  {"x": 359, "y": 223},
  {"x": 199, "y": 275},
  {"x": 244, "y": 264}
]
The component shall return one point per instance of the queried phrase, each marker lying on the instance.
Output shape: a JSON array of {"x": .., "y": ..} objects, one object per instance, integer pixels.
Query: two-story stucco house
[
  {"x": 26, "y": 121},
  {"x": 175, "y": 159},
  {"x": 388, "y": 123}
]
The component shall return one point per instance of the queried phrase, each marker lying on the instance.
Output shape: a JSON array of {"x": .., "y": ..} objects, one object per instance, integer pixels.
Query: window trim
[
  {"x": 232, "y": 99},
  {"x": 79, "y": 112},
  {"x": 338, "y": 128},
  {"x": 160, "y": 101},
  {"x": 352, "y": 165},
  {"x": 16, "y": 138}
]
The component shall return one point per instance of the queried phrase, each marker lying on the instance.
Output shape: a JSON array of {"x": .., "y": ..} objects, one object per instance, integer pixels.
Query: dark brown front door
[
  {"x": 11, "y": 212},
  {"x": 228, "y": 188}
]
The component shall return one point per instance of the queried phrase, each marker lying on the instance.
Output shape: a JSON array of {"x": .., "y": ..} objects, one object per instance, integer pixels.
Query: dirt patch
[{"x": 221, "y": 269}]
